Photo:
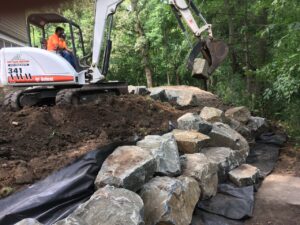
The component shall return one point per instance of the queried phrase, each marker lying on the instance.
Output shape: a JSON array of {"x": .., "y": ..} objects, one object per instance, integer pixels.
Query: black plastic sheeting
[
  {"x": 230, "y": 202},
  {"x": 264, "y": 154},
  {"x": 59, "y": 194},
  {"x": 201, "y": 217},
  {"x": 264, "y": 157},
  {"x": 273, "y": 139}
]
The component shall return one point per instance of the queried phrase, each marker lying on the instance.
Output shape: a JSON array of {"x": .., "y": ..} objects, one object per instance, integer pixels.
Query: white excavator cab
[
  {"x": 44, "y": 24},
  {"x": 34, "y": 65}
]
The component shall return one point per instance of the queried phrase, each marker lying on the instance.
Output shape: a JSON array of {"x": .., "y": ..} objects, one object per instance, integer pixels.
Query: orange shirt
[{"x": 55, "y": 42}]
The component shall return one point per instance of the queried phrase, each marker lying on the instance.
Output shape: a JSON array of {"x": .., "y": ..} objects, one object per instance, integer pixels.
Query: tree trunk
[
  {"x": 249, "y": 74},
  {"x": 232, "y": 53},
  {"x": 144, "y": 50}
]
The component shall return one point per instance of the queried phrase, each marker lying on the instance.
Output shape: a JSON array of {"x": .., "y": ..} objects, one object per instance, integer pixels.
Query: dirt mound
[{"x": 36, "y": 141}]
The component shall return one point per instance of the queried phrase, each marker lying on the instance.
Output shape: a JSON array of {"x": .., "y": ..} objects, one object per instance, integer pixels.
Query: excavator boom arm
[{"x": 105, "y": 8}]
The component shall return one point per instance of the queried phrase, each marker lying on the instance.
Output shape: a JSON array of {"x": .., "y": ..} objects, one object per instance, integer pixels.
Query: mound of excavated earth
[{"x": 36, "y": 141}]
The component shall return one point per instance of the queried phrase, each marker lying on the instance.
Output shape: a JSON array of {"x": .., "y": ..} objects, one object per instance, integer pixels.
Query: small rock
[
  {"x": 28, "y": 222},
  {"x": 6, "y": 191},
  {"x": 241, "y": 114},
  {"x": 225, "y": 158},
  {"x": 204, "y": 171},
  {"x": 15, "y": 123},
  {"x": 138, "y": 90},
  {"x": 164, "y": 149},
  {"x": 170, "y": 200},
  {"x": 128, "y": 166},
  {"x": 108, "y": 206},
  {"x": 192, "y": 121},
  {"x": 23, "y": 175},
  {"x": 190, "y": 141},
  {"x": 212, "y": 115},
  {"x": 244, "y": 175},
  {"x": 158, "y": 94}
]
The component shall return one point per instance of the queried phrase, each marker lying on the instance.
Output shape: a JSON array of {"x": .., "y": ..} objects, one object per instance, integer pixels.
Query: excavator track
[
  {"x": 78, "y": 96},
  {"x": 45, "y": 96},
  {"x": 12, "y": 101}
]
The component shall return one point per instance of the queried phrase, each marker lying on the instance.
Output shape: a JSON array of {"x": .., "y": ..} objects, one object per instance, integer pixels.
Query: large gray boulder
[
  {"x": 204, "y": 171},
  {"x": 28, "y": 222},
  {"x": 170, "y": 200},
  {"x": 108, "y": 206},
  {"x": 224, "y": 157},
  {"x": 212, "y": 115},
  {"x": 222, "y": 135},
  {"x": 244, "y": 175},
  {"x": 128, "y": 166},
  {"x": 165, "y": 151},
  {"x": 241, "y": 114},
  {"x": 183, "y": 96},
  {"x": 190, "y": 142},
  {"x": 192, "y": 121}
]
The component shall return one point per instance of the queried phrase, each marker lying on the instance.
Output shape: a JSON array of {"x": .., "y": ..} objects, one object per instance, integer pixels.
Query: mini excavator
[{"x": 48, "y": 79}]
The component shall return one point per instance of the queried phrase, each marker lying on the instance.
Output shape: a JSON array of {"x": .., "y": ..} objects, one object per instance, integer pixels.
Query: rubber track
[
  {"x": 11, "y": 101},
  {"x": 65, "y": 96}
]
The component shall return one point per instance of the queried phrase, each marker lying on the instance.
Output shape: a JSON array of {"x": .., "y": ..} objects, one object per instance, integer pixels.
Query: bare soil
[{"x": 37, "y": 141}]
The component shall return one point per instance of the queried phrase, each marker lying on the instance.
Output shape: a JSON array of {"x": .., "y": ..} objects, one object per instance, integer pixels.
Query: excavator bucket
[{"x": 213, "y": 51}]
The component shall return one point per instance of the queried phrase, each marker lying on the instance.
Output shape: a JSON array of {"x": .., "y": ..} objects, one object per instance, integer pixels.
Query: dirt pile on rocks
[{"x": 36, "y": 141}]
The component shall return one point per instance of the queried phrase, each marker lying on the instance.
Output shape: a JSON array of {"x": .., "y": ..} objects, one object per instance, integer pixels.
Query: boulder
[
  {"x": 241, "y": 114},
  {"x": 224, "y": 136},
  {"x": 212, "y": 115},
  {"x": 108, "y": 206},
  {"x": 258, "y": 125},
  {"x": 204, "y": 171},
  {"x": 190, "y": 141},
  {"x": 128, "y": 166},
  {"x": 138, "y": 90},
  {"x": 183, "y": 96},
  {"x": 158, "y": 94},
  {"x": 225, "y": 158},
  {"x": 165, "y": 151},
  {"x": 244, "y": 175},
  {"x": 241, "y": 128},
  {"x": 28, "y": 222},
  {"x": 192, "y": 121},
  {"x": 170, "y": 200}
]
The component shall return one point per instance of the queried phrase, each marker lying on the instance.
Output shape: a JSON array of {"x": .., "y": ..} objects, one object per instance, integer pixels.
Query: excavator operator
[{"x": 57, "y": 43}]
